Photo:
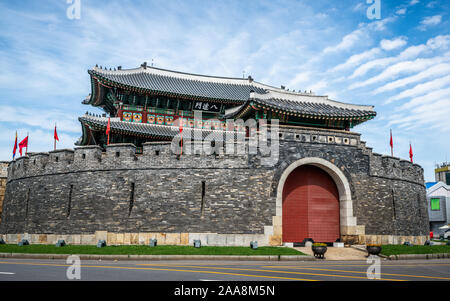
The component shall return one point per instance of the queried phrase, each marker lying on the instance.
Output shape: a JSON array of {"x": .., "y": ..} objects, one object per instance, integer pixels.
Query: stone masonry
[
  {"x": 223, "y": 199},
  {"x": 3, "y": 180}
]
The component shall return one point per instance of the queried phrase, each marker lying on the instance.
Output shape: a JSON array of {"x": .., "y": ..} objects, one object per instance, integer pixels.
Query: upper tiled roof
[
  {"x": 236, "y": 90},
  {"x": 183, "y": 84}
]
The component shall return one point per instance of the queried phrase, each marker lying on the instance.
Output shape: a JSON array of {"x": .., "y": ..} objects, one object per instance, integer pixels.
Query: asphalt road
[{"x": 51, "y": 270}]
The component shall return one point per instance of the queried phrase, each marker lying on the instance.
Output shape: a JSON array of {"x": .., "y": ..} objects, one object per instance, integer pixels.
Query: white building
[{"x": 438, "y": 198}]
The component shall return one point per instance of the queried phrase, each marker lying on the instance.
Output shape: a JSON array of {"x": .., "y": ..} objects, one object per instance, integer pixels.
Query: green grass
[
  {"x": 146, "y": 250},
  {"x": 401, "y": 249}
]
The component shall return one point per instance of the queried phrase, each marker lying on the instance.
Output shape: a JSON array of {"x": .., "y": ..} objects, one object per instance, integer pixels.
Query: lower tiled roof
[{"x": 152, "y": 130}]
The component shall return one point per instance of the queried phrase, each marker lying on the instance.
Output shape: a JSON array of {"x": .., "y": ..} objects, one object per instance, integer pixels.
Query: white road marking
[
  {"x": 7, "y": 273},
  {"x": 208, "y": 280}
]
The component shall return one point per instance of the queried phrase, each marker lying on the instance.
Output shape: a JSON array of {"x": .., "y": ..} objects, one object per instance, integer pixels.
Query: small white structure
[{"x": 438, "y": 198}]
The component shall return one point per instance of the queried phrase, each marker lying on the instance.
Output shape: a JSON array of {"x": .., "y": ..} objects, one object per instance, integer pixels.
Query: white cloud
[
  {"x": 429, "y": 21},
  {"x": 425, "y": 99},
  {"x": 356, "y": 59},
  {"x": 401, "y": 11},
  {"x": 400, "y": 68},
  {"x": 439, "y": 42},
  {"x": 393, "y": 44},
  {"x": 432, "y": 20},
  {"x": 347, "y": 41},
  {"x": 423, "y": 88},
  {"x": 362, "y": 33},
  {"x": 413, "y": 2},
  {"x": 40, "y": 118},
  {"x": 300, "y": 78},
  {"x": 436, "y": 70},
  {"x": 359, "y": 7}
]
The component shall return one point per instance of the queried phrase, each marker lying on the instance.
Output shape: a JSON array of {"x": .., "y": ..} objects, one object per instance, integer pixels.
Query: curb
[
  {"x": 161, "y": 257},
  {"x": 419, "y": 256}
]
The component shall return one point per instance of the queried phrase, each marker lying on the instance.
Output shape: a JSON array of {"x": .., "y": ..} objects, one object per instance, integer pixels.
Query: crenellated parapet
[
  {"x": 123, "y": 156},
  {"x": 395, "y": 168}
]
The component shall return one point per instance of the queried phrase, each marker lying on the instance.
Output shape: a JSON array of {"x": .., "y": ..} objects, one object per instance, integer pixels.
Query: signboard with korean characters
[{"x": 206, "y": 106}]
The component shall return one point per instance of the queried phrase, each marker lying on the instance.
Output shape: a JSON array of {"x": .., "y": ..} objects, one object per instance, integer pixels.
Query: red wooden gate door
[{"x": 310, "y": 206}]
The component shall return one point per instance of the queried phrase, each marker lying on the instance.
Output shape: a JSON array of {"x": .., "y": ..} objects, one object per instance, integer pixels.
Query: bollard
[
  {"x": 101, "y": 244},
  {"x": 197, "y": 243},
  {"x": 254, "y": 245},
  {"x": 60, "y": 243},
  {"x": 24, "y": 242},
  {"x": 153, "y": 242}
]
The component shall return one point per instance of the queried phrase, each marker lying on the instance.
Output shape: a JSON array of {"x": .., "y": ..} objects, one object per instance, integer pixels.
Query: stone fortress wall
[
  {"x": 3, "y": 180},
  {"x": 85, "y": 194}
]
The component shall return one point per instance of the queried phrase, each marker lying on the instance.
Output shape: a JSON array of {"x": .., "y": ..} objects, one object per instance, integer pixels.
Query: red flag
[
  {"x": 108, "y": 129},
  {"x": 181, "y": 133},
  {"x": 55, "y": 135},
  {"x": 22, "y": 144},
  {"x": 391, "y": 143},
  {"x": 15, "y": 147},
  {"x": 410, "y": 153}
]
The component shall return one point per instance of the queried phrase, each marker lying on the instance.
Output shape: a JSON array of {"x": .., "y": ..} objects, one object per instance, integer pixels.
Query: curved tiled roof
[
  {"x": 149, "y": 130},
  {"x": 237, "y": 90},
  {"x": 183, "y": 84},
  {"x": 312, "y": 106}
]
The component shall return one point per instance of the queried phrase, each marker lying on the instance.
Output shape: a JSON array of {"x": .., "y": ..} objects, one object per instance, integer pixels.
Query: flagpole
[
  {"x": 26, "y": 150},
  {"x": 54, "y": 139}
]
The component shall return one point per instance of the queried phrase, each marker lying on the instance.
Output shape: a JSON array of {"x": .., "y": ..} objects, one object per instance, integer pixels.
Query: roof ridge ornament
[{"x": 144, "y": 65}]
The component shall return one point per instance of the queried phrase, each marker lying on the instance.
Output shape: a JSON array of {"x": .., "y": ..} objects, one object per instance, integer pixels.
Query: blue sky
[{"x": 399, "y": 63}]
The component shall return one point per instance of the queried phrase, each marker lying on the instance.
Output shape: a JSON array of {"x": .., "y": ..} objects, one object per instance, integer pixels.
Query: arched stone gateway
[
  {"x": 310, "y": 206},
  {"x": 319, "y": 194}
]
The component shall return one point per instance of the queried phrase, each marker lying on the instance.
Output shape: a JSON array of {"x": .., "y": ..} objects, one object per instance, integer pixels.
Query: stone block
[
  {"x": 348, "y": 230},
  {"x": 134, "y": 238},
  {"x": 230, "y": 239},
  {"x": 172, "y": 239},
  {"x": 34, "y": 239},
  {"x": 51, "y": 239},
  {"x": 43, "y": 239},
  {"x": 216, "y": 239},
  {"x": 88, "y": 239},
  {"x": 144, "y": 238},
  {"x": 76, "y": 239},
  {"x": 127, "y": 238},
  {"x": 161, "y": 237},
  {"x": 111, "y": 239},
  {"x": 12, "y": 238},
  {"x": 277, "y": 220},
  {"x": 268, "y": 230},
  {"x": 184, "y": 238},
  {"x": 277, "y": 230},
  {"x": 239, "y": 240},
  {"x": 360, "y": 230},
  {"x": 275, "y": 240},
  {"x": 119, "y": 239}
]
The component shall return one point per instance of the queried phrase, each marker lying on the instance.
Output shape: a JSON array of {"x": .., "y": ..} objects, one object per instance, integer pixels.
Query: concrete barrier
[
  {"x": 161, "y": 257},
  {"x": 419, "y": 256}
]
